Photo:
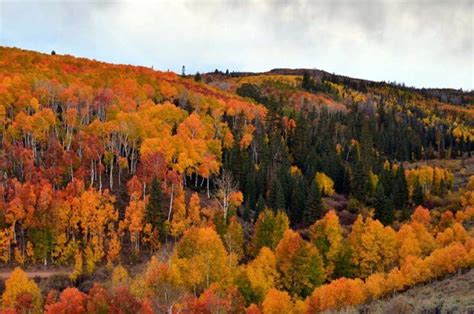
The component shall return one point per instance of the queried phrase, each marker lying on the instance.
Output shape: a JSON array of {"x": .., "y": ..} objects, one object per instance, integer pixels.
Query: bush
[
  {"x": 57, "y": 282},
  {"x": 398, "y": 305}
]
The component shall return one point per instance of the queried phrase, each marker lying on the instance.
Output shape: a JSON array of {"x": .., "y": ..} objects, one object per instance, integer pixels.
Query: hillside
[
  {"x": 294, "y": 191},
  {"x": 450, "y": 295}
]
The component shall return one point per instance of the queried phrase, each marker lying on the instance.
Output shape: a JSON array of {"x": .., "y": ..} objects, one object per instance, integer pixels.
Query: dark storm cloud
[{"x": 422, "y": 43}]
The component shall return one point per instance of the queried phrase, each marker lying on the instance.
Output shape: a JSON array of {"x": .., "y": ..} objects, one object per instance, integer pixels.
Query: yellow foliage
[
  {"x": 262, "y": 272},
  {"x": 407, "y": 242},
  {"x": 120, "y": 276},
  {"x": 18, "y": 284},
  {"x": 375, "y": 285},
  {"x": 325, "y": 183},
  {"x": 326, "y": 235},
  {"x": 78, "y": 266},
  {"x": 374, "y": 246},
  {"x": 199, "y": 259},
  {"x": 4, "y": 246},
  {"x": 428, "y": 177}
]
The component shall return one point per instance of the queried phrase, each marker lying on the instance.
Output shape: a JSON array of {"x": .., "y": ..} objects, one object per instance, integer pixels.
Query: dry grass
[{"x": 451, "y": 295}]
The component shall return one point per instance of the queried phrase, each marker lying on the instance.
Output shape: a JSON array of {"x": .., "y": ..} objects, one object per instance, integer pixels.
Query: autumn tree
[
  {"x": 338, "y": 294},
  {"x": 326, "y": 235},
  {"x": 180, "y": 221},
  {"x": 325, "y": 183},
  {"x": 194, "y": 210},
  {"x": 17, "y": 287},
  {"x": 159, "y": 285},
  {"x": 71, "y": 300},
  {"x": 262, "y": 273},
  {"x": 299, "y": 264},
  {"x": 269, "y": 230},
  {"x": 123, "y": 301},
  {"x": 277, "y": 302},
  {"x": 373, "y": 246},
  {"x": 98, "y": 299},
  {"x": 227, "y": 195},
  {"x": 234, "y": 241},
  {"x": 199, "y": 259},
  {"x": 134, "y": 216},
  {"x": 408, "y": 242}
]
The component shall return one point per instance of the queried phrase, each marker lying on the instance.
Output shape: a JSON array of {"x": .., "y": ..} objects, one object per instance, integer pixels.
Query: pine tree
[
  {"x": 418, "y": 195},
  {"x": 359, "y": 181},
  {"x": 153, "y": 212},
  {"x": 384, "y": 210},
  {"x": 276, "y": 197},
  {"x": 250, "y": 191},
  {"x": 198, "y": 77},
  {"x": 298, "y": 205},
  {"x": 314, "y": 205},
  {"x": 260, "y": 206},
  {"x": 306, "y": 83},
  {"x": 386, "y": 178},
  {"x": 400, "y": 189}
]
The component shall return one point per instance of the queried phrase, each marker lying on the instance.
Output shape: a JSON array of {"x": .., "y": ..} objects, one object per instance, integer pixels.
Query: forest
[{"x": 289, "y": 191}]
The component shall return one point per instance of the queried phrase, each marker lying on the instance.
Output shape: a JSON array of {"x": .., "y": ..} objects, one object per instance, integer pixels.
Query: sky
[{"x": 422, "y": 43}]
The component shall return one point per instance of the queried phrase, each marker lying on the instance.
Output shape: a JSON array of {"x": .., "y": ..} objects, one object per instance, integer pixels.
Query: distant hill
[{"x": 448, "y": 95}]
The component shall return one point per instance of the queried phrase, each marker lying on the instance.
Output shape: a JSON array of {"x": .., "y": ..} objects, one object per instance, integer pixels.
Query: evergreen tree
[
  {"x": 386, "y": 179},
  {"x": 314, "y": 206},
  {"x": 153, "y": 212},
  {"x": 198, "y": 77},
  {"x": 250, "y": 191},
  {"x": 400, "y": 189},
  {"x": 307, "y": 82},
  {"x": 418, "y": 194},
  {"x": 276, "y": 198},
  {"x": 366, "y": 142},
  {"x": 359, "y": 181},
  {"x": 384, "y": 210},
  {"x": 260, "y": 206},
  {"x": 298, "y": 205}
]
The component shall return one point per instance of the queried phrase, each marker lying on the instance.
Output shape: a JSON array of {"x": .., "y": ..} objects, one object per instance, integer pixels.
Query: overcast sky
[{"x": 420, "y": 43}]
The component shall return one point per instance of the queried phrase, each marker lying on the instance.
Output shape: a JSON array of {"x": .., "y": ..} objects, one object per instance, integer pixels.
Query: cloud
[{"x": 422, "y": 43}]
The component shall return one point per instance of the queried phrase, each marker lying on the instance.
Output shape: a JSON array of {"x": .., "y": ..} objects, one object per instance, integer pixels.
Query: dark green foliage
[
  {"x": 298, "y": 200},
  {"x": 221, "y": 226},
  {"x": 344, "y": 265},
  {"x": 418, "y": 194},
  {"x": 43, "y": 242},
  {"x": 359, "y": 181},
  {"x": 314, "y": 206},
  {"x": 307, "y": 82},
  {"x": 365, "y": 136},
  {"x": 153, "y": 212},
  {"x": 276, "y": 198},
  {"x": 249, "y": 90},
  {"x": 269, "y": 230},
  {"x": 312, "y": 85},
  {"x": 307, "y": 272},
  {"x": 250, "y": 191},
  {"x": 400, "y": 189},
  {"x": 260, "y": 206},
  {"x": 243, "y": 284},
  {"x": 384, "y": 210},
  {"x": 198, "y": 77}
]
